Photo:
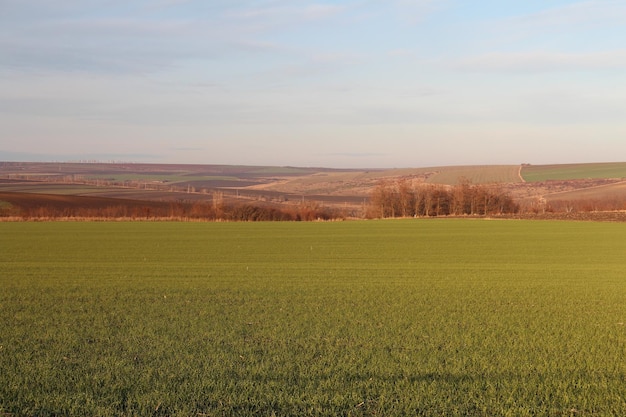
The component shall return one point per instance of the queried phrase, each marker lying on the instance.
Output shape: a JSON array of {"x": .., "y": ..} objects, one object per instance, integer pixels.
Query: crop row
[{"x": 412, "y": 317}]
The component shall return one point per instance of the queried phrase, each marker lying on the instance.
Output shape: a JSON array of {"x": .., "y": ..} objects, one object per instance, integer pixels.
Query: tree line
[
  {"x": 216, "y": 209},
  {"x": 406, "y": 198}
]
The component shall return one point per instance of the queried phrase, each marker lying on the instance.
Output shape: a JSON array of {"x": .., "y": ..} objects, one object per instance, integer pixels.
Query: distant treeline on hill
[{"x": 402, "y": 198}]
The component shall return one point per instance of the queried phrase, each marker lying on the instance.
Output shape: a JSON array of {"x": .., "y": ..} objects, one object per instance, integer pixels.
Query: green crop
[
  {"x": 532, "y": 173},
  {"x": 412, "y": 317}
]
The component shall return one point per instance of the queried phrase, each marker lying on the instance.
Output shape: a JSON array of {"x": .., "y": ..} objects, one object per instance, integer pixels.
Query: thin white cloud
[
  {"x": 37, "y": 9},
  {"x": 321, "y": 11},
  {"x": 569, "y": 106},
  {"x": 401, "y": 52},
  {"x": 162, "y": 4},
  {"x": 419, "y": 4},
  {"x": 117, "y": 44},
  {"x": 285, "y": 13},
  {"x": 576, "y": 15},
  {"x": 315, "y": 65},
  {"x": 336, "y": 58},
  {"x": 415, "y": 11},
  {"x": 267, "y": 72},
  {"x": 544, "y": 61}
]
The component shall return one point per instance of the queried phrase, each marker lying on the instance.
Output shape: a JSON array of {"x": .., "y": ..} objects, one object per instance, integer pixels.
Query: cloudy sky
[{"x": 355, "y": 83}]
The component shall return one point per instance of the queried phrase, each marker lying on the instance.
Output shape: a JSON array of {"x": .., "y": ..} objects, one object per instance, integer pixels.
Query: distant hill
[{"x": 543, "y": 186}]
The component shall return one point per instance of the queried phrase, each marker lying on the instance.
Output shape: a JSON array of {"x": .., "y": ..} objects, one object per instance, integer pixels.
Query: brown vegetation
[
  {"x": 239, "y": 193},
  {"x": 404, "y": 198},
  {"x": 26, "y": 206}
]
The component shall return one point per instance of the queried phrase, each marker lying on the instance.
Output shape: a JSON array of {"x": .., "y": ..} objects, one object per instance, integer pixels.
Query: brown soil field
[
  {"x": 593, "y": 191},
  {"x": 42, "y": 205}
]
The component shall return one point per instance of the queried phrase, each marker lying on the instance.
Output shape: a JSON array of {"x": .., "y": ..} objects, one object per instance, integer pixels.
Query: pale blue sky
[{"x": 362, "y": 83}]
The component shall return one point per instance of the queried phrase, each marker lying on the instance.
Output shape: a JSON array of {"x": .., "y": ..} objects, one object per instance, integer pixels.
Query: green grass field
[
  {"x": 532, "y": 173},
  {"x": 388, "y": 318}
]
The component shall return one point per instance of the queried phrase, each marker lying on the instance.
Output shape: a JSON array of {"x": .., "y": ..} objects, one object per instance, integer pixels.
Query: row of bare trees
[
  {"x": 216, "y": 210},
  {"x": 406, "y": 198},
  {"x": 582, "y": 205}
]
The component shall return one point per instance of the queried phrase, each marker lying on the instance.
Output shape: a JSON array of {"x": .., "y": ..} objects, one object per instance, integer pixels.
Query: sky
[{"x": 344, "y": 84}]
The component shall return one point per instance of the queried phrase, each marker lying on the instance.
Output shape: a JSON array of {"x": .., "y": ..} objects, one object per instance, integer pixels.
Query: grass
[
  {"x": 485, "y": 174},
  {"x": 532, "y": 173},
  {"x": 415, "y": 317}
]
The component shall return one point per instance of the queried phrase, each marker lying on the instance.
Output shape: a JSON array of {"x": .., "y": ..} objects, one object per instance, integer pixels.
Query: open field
[
  {"x": 344, "y": 191},
  {"x": 163, "y": 176},
  {"x": 37, "y": 205},
  {"x": 410, "y": 317},
  {"x": 532, "y": 173},
  {"x": 477, "y": 174},
  {"x": 595, "y": 187},
  {"x": 617, "y": 190},
  {"x": 287, "y": 180},
  {"x": 361, "y": 182},
  {"x": 32, "y": 200}
]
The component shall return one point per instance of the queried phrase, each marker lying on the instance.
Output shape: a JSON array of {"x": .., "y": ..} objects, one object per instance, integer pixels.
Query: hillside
[
  {"x": 536, "y": 187},
  {"x": 276, "y": 184},
  {"x": 535, "y": 173}
]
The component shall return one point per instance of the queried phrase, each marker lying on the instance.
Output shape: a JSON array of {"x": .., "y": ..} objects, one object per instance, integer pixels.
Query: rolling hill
[{"x": 532, "y": 185}]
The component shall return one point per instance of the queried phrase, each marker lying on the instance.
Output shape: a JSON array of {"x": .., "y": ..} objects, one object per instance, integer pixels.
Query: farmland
[
  {"x": 289, "y": 181},
  {"x": 402, "y": 317},
  {"x": 477, "y": 174},
  {"x": 532, "y": 173},
  {"x": 302, "y": 193}
]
